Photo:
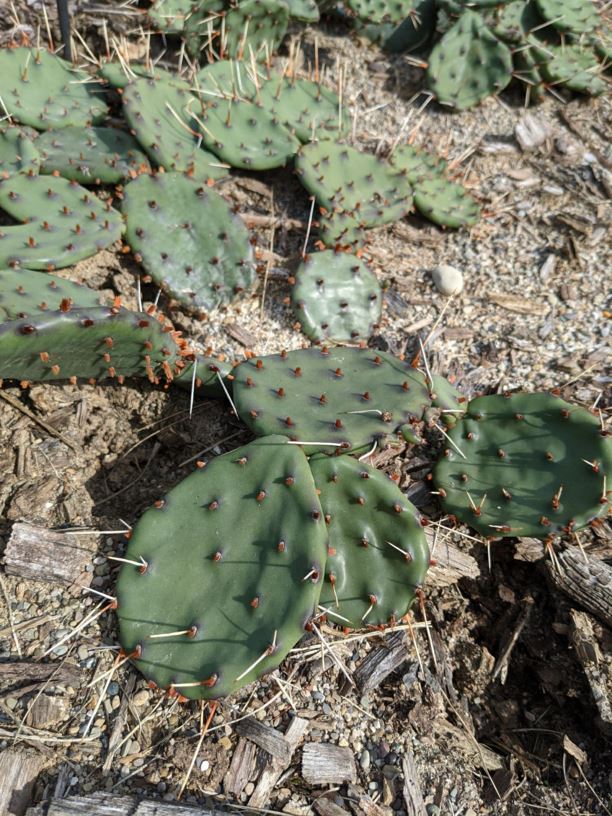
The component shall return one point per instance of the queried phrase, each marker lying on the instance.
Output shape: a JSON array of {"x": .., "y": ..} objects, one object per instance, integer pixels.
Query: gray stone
[{"x": 448, "y": 280}]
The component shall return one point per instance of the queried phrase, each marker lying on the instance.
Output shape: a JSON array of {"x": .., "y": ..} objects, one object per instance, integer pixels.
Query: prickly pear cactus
[
  {"x": 336, "y": 296},
  {"x": 343, "y": 178},
  {"x": 571, "y": 16},
  {"x": 230, "y": 78},
  {"x": 379, "y": 11},
  {"x": 306, "y": 11},
  {"x": 525, "y": 465},
  {"x": 65, "y": 223},
  {"x": 209, "y": 259},
  {"x": 94, "y": 344},
  {"x": 448, "y": 399},
  {"x": 247, "y": 135},
  {"x": 119, "y": 74},
  {"x": 43, "y": 91},
  {"x": 306, "y": 108},
  {"x": 516, "y": 20},
  {"x": 574, "y": 66},
  {"x": 435, "y": 196},
  {"x": 162, "y": 115},
  {"x": 169, "y": 15},
  {"x": 415, "y": 31},
  {"x": 245, "y": 541},
  {"x": 24, "y": 292},
  {"x": 378, "y": 553},
  {"x": 468, "y": 64},
  {"x": 341, "y": 230},
  {"x": 18, "y": 152},
  {"x": 91, "y": 155},
  {"x": 330, "y": 399},
  {"x": 206, "y": 378}
]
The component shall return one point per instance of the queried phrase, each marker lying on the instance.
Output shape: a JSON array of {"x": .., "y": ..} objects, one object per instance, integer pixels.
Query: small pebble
[
  {"x": 448, "y": 280},
  {"x": 141, "y": 698},
  {"x": 365, "y": 761}
]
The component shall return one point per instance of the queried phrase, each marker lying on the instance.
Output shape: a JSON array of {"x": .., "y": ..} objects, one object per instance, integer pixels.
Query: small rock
[
  {"x": 141, "y": 698},
  {"x": 448, "y": 280},
  {"x": 532, "y": 131},
  {"x": 365, "y": 761}
]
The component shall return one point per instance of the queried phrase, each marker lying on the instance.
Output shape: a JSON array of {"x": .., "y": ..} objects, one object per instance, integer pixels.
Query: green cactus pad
[
  {"x": 448, "y": 399},
  {"x": 307, "y": 108},
  {"x": 43, "y": 91},
  {"x": 118, "y": 75},
  {"x": 379, "y": 11},
  {"x": 91, "y": 155},
  {"x": 415, "y": 31},
  {"x": 96, "y": 343},
  {"x": 65, "y": 223},
  {"x": 341, "y": 231},
  {"x": 245, "y": 541},
  {"x": 18, "y": 153},
  {"x": 436, "y": 197},
  {"x": 574, "y": 66},
  {"x": 161, "y": 114},
  {"x": 229, "y": 78},
  {"x": 24, "y": 292},
  {"x": 336, "y": 296},
  {"x": 468, "y": 64},
  {"x": 208, "y": 261},
  {"x": 343, "y": 178},
  {"x": 516, "y": 20},
  {"x": 348, "y": 396},
  {"x": 378, "y": 553},
  {"x": 306, "y": 11},
  {"x": 527, "y": 70},
  {"x": 208, "y": 371},
  {"x": 571, "y": 16},
  {"x": 532, "y": 465},
  {"x": 247, "y": 135},
  {"x": 169, "y": 15}
]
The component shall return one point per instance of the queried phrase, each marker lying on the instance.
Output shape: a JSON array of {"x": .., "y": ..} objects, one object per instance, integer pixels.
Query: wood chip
[
  {"x": 413, "y": 798},
  {"x": 242, "y": 767},
  {"x": 596, "y": 665},
  {"x": 271, "y": 773},
  {"x": 460, "y": 740},
  {"x": 451, "y": 564},
  {"x": 265, "y": 737},
  {"x": 27, "y": 671},
  {"x": 18, "y": 772},
  {"x": 109, "y": 804},
  {"x": 325, "y": 807},
  {"x": 46, "y": 711},
  {"x": 381, "y": 661},
  {"x": 514, "y": 303},
  {"x": 43, "y": 555},
  {"x": 325, "y": 764},
  {"x": 586, "y": 579},
  {"x": 239, "y": 334}
]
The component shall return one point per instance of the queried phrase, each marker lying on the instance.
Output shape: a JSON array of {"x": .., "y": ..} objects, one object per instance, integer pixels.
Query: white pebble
[{"x": 447, "y": 279}]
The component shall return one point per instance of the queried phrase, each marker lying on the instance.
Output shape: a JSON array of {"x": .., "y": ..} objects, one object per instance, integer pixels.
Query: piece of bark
[
  {"x": 461, "y": 740},
  {"x": 240, "y": 334},
  {"x": 325, "y": 764},
  {"x": 586, "y": 579},
  {"x": 451, "y": 565},
  {"x": 381, "y": 661},
  {"x": 273, "y": 769},
  {"x": 117, "y": 732},
  {"x": 242, "y": 767},
  {"x": 363, "y": 805},
  {"x": 46, "y": 711},
  {"x": 109, "y": 804},
  {"x": 325, "y": 807},
  {"x": 18, "y": 772},
  {"x": 596, "y": 665},
  {"x": 44, "y": 555},
  {"x": 529, "y": 549},
  {"x": 413, "y": 798},
  {"x": 515, "y": 303},
  {"x": 265, "y": 737},
  {"x": 20, "y": 671}
]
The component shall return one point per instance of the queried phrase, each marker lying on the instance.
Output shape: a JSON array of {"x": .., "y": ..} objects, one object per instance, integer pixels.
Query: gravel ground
[{"x": 533, "y": 314}]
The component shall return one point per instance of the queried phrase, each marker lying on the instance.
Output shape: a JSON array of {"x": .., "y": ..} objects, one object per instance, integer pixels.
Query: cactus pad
[
  {"x": 247, "y": 135},
  {"x": 18, "y": 153},
  {"x": 65, "y": 223},
  {"x": 307, "y": 108},
  {"x": 24, "y": 292},
  {"x": 571, "y": 16},
  {"x": 574, "y": 66},
  {"x": 43, "y": 91},
  {"x": 415, "y": 31},
  {"x": 169, "y": 15},
  {"x": 118, "y": 75},
  {"x": 231, "y": 78},
  {"x": 532, "y": 465},
  {"x": 160, "y": 112},
  {"x": 93, "y": 344},
  {"x": 378, "y": 553},
  {"x": 350, "y": 397},
  {"x": 208, "y": 261},
  {"x": 208, "y": 371},
  {"x": 468, "y": 64},
  {"x": 91, "y": 155},
  {"x": 379, "y": 11},
  {"x": 343, "y": 178},
  {"x": 244, "y": 541},
  {"x": 307, "y": 11},
  {"x": 336, "y": 296}
]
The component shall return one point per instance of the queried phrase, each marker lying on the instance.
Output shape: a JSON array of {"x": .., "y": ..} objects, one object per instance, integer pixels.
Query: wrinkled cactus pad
[
  {"x": 530, "y": 465},
  {"x": 336, "y": 296},
  {"x": 208, "y": 260},
  {"x": 349, "y": 397},
  {"x": 306, "y": 108},
  {"x": 24, "y": 292},
  {"x": 572, "y": 16},
  {"x": 378, "y": 553},
  {"x": 234, "y": 559},
  {"x": 18, "y": 151}
]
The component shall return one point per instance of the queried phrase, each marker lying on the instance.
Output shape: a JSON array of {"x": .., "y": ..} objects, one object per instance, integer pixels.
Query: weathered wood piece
[
  {"x": 363, "y": 805},
  {"x": 265, "y": 737},
  {"x": 46, "y": 555},
  {"x": 596, "y": 664},
  {"x": 275, "y": 767},
  {"x": 413, "y": 798},
  {"x": 21, "y": 671},
  {"x": 325, "y": 807},
  {"x": 451, "y": 565},
  {"x": 325, "y": 764},
  {"x": 18, "y": 772},
  {"x": 586, "y": 579},
  {"x": 109, "y": 804},
  {"x": 242, "y": 767},
  {"x": 381, "y": 661}
]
